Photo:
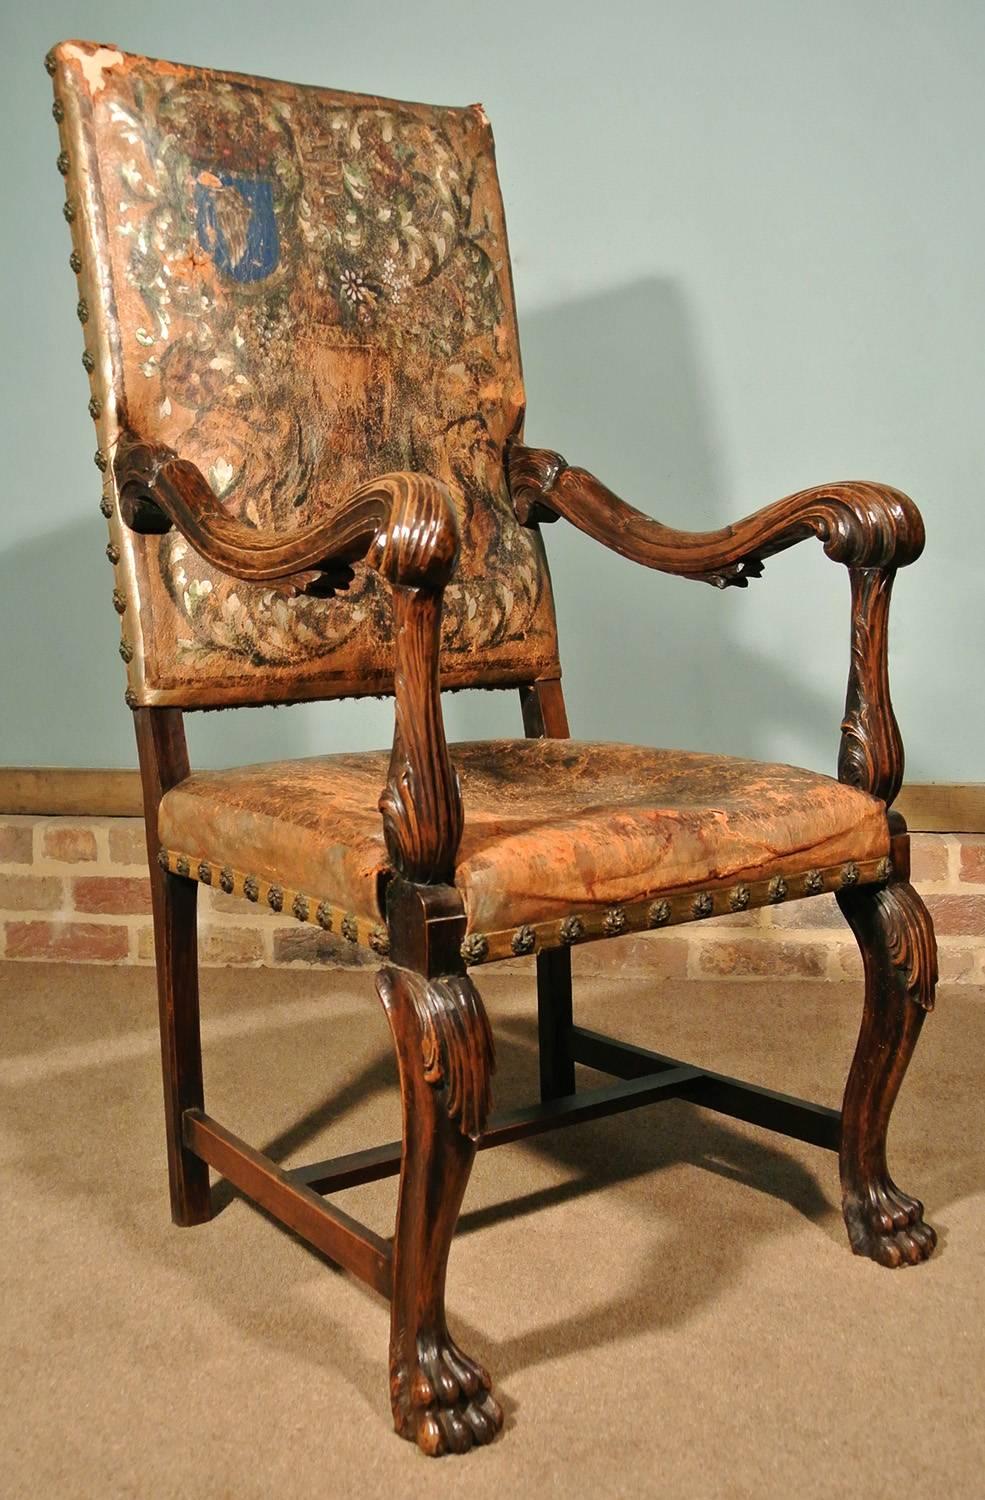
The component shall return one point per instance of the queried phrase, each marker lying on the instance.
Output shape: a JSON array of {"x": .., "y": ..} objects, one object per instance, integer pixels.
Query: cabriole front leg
[
  {"x": 441, "y": 1398},
  {"x": 894, "y": 931}
]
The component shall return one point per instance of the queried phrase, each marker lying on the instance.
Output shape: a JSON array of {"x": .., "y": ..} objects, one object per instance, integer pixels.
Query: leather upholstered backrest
[{"x": 296, "y": 289}]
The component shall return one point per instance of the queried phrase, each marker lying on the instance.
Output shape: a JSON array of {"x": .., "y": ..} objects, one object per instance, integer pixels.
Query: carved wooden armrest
[
  {"x": 404, "y": 525},
  {"x": 861, "y": 525},
  {"x": 871, "y": 528}
]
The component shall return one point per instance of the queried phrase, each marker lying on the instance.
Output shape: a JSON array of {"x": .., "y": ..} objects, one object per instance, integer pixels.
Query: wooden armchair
[{"x": 305, "y": 380}]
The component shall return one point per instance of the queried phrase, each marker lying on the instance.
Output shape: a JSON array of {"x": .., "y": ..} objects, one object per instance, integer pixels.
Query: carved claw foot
[
  {"x": 888, "y": 1226},
  {"x": 441, "y": 1398}
]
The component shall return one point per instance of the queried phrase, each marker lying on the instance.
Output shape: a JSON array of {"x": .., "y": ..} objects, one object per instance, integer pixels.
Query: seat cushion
[{"x": 552, "y": 827}]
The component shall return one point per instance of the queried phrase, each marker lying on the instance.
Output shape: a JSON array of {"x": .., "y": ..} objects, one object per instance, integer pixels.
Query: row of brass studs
[
  {"x": 671, "y": 910},
  {"x": 302, "y": 907},
  {"x": 100, "y": 458}
]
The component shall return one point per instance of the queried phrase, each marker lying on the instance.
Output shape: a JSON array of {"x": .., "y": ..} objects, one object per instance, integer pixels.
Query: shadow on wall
[
  {"x": 63, "y": 680},
  {"x": 615, "y": 383}
]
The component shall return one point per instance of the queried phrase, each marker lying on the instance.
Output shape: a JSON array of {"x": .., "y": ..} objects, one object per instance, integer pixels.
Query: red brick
[
  {"x": 312, "y": 945},
  {"x": 78, "y": 942},
  {"x": 69, "y": 845},
  {"x": 30, "y": 893},
  {"x": 956, "y": 962},
  {"x": 656, "y": 954},
  {"x": 145, "y": 944},
  {"x": 120, "y": 894},
  {"x": 16, "y": 843},
  {"x": 973, "y": 860},
  {"x": 220, "y": 901},
  {"x": 813, "y": 912},
  {"x": 755, "y": 918},
  {"x": 127, "y": 842},
  {"x": 230, "y": 945},
  {"x": 961, "y": 916},
  {"x": 848, "y": 960},
  {"x": 928, "y": 857},
  {"x": 759, "y": 956}
]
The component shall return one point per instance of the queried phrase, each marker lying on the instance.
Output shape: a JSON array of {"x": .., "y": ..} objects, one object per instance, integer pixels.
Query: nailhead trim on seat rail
[{"x": 668, "y": 910}]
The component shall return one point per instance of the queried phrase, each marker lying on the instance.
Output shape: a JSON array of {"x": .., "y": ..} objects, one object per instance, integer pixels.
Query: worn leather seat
[{"x": 551, "y": 826}]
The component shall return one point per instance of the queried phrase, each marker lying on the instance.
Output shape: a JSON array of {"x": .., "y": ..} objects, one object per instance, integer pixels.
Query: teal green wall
[{"x": 747, "y": 244}]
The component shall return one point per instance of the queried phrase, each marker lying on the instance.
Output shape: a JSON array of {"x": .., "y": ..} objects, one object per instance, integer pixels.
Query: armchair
[{"x": 304, "y": 375}]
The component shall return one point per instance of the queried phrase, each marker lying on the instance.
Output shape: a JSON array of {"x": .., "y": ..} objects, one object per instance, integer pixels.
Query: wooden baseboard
[
  {"x": 928, "y": 806},
  {"x": 943, "y": 806},
  {"x": 44, "y": 791}
]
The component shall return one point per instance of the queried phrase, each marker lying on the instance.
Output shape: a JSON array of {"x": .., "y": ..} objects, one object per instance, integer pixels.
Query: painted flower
[{"x": 354, "y": 289}]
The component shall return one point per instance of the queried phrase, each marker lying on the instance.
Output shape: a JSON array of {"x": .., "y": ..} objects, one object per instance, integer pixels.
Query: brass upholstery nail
[
  {"x": 379, "y": 940},
  {"x": 474, "y": 948},
  {"x": 524, "y": 940}
]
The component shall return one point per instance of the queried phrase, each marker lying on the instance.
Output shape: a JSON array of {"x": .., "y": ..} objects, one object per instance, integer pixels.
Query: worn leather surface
[
  {"x": 551, "y": 826},
  {"x": 298, "y": 289}
]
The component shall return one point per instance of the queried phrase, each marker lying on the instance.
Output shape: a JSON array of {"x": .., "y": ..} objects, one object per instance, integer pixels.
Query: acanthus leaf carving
[
  {"x": 457, "y": 1051},
  {"x": 901, "y": 925},
  {"x": 871, "y": 753}
]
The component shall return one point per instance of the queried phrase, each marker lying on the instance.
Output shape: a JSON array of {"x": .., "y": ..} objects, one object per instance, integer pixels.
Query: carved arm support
[
  {"x": 406, "y": 527},
  {"x": 873, "y": 529}
]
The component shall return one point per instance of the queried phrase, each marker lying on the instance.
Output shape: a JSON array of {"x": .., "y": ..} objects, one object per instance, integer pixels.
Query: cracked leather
[{"x": 551, "y": 826}]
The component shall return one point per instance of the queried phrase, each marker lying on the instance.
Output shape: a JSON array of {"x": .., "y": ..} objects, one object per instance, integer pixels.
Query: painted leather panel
[
  {"x": 551, "y": 826},
  {"x": 297, "y": 289}
]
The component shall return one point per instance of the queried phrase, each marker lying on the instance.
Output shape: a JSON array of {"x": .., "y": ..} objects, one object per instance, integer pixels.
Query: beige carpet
[{"x": 665, "y": 1298}]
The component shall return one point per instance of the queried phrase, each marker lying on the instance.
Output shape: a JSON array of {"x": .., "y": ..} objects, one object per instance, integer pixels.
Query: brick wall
[{"x": 77, "y": 889}]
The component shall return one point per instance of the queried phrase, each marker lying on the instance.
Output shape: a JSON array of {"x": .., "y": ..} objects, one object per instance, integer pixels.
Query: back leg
[
  {"x": 176, "y": 952},
  {"x": 554, "y": 1021}
]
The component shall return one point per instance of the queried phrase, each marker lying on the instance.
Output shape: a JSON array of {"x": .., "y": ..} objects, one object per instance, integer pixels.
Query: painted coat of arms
[{"x": 235, "y": 220}]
